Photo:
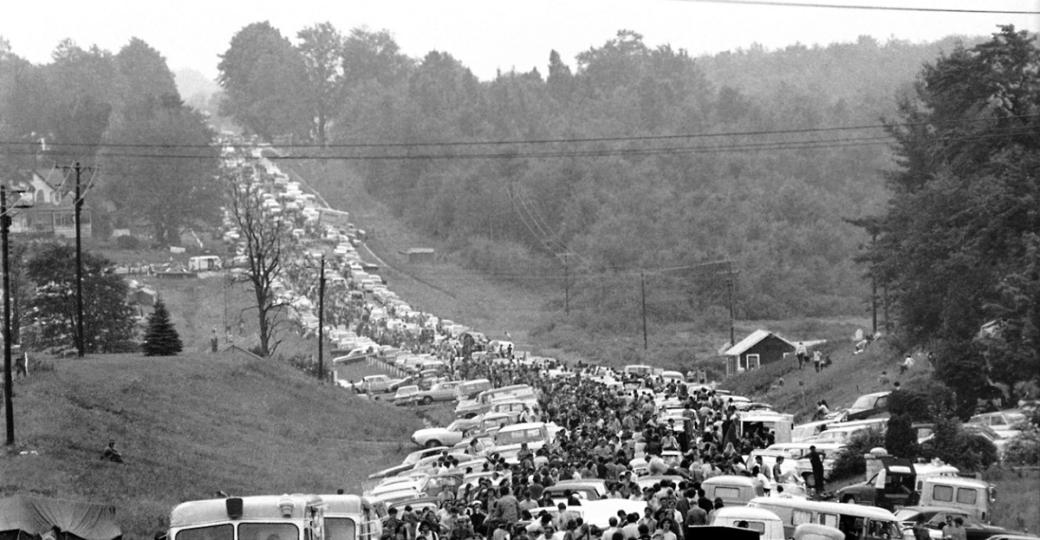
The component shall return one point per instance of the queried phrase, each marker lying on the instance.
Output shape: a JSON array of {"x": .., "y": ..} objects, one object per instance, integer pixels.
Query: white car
[{"x": 443, "y": 436}]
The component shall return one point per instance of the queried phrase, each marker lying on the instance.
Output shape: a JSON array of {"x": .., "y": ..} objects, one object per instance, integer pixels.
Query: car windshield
[{"x": 864, "y": 402}]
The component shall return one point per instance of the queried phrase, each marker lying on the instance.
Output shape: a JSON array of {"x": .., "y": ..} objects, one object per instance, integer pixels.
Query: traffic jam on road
[{"x": 542, "y": 450}]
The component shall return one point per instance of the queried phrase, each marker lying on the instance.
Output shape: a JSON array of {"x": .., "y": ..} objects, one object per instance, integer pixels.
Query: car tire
[
  {"x": 426, "y": 400},
  {"x": 432, "y": 443}
]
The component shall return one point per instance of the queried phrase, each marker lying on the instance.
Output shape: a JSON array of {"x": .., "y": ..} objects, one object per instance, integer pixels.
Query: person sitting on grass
[{"x": 111, "y": 454}]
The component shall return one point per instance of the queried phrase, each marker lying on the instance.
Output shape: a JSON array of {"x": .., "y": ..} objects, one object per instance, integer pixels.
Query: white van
[
  {"x": 767, "y": 524},
  {"x": 975, "y": 497},
  {"x": 732, "y": 489},
  {"x": 855, "y": 520}
]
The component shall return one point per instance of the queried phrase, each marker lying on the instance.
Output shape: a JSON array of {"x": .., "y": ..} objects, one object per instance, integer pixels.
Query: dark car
[{"x": 934, "y": 516}]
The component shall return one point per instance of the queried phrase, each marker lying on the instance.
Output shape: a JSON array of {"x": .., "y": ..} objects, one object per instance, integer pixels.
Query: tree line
[{"x": 605, "y": 192}]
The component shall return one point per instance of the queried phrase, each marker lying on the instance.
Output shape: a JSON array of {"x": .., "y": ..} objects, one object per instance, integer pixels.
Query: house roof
[{"x": 754, "y": 338}]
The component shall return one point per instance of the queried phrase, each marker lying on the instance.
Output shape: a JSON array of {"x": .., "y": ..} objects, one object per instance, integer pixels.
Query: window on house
[{"x": 753, "y": 362}]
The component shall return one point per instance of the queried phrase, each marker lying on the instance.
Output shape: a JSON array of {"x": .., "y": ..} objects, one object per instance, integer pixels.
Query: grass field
[{"x": 188, "y": 426}]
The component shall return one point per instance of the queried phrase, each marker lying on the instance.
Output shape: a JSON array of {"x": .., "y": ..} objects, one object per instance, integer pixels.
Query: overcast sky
[{"x": 486, "y": 35}]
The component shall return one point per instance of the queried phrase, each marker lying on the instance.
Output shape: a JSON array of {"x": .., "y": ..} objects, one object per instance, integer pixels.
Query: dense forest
[
  {"x": 146, "y": 155},
  {"x": 632, "y": 160}
]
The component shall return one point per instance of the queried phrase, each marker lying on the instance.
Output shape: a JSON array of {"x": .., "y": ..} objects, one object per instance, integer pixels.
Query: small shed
[
  {"x": 758, "y": 348},
  {"x": 419, "y": 255}
]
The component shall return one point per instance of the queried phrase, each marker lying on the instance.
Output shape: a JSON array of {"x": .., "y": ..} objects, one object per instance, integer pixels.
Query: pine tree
[{"x": 161, "y": 338}]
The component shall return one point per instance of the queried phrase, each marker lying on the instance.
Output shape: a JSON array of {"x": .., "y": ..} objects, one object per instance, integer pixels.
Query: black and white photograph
[{"x": 520, "y": 270}]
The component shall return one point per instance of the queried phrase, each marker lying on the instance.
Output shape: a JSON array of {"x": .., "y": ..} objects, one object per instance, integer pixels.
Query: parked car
[
  {"x": 584, "y": 490},
  {"x": 406, "y": 395},
  {"x": 378, "y": 384},
  {"x": 934, "y": 516},
  {"x": 444, "y": 436},
  {"x": 868, "y": 405},
  {"x": 1007, "y": 424},
  {"x": 440, "y": 391}
]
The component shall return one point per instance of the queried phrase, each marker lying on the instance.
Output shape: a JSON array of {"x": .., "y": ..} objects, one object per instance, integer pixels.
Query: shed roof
[{"x": 754, "y": 338}]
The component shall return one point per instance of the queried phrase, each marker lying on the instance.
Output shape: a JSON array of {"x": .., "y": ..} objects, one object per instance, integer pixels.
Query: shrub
[
  {"x": 850, "y": 462},
  {"x": 1024, "y": 449},
  {"x": 923, "y": 400},
  {"x": 952, "y": 445},
  {"x": 900, "y": 438}
]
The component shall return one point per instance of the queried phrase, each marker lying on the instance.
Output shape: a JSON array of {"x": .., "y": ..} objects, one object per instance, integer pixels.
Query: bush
[
  {"x": 850, "y": 462},
  {"x": 900, "y": 438},
  {"x": 1024, "y": 449},
  {"x": 923, "y": 400},
  {"x": 952, "y": 445}
]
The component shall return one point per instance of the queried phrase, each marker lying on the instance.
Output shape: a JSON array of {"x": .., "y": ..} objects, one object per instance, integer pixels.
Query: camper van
[
  {"x": 287, "y": 517},
  {"x": 975, "y": 497},
  {"x": 856, "y": 521},
  {"x": 733, "y": 490},
  {"x": 767, "y": 524}
]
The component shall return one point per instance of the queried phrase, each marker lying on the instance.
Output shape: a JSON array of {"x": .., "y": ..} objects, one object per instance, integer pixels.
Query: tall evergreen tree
[{"x": 161, "y": 338}]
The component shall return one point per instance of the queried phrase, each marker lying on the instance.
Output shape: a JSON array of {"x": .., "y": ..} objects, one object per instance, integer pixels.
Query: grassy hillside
[{"x": 189, "y": 426}]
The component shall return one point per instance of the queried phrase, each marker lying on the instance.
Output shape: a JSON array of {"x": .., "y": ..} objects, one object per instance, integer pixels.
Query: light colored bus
[
  {"x": 350, "y": 517},
  {"x": 856, "y": 521},
  {"x": 261, "y": 517}
]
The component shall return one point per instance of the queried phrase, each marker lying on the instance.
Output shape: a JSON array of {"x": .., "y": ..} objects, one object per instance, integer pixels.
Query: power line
[
  {"x": 809, "y": 144},
  {"x": 571, "y": 140},
  {"x": 864, "y": 7}
]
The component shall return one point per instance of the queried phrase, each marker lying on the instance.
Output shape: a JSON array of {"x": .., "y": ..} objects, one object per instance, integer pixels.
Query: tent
[{"x": 28, "y": 516}]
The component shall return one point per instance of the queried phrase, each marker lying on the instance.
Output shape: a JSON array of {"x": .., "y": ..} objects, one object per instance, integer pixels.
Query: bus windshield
[
  {"x": 339, "y": 529},
  {"x": 224, "y": 531}
]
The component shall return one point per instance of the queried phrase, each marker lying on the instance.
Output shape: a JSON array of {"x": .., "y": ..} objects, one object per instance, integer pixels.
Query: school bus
[{"x": 260, "y": 517}]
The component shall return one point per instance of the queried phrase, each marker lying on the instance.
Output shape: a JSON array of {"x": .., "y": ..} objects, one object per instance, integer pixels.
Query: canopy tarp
[{"x": 36, "y": 515}]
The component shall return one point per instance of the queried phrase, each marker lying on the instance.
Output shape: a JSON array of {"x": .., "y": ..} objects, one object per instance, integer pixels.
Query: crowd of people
[{"x": 610, "y": 433}]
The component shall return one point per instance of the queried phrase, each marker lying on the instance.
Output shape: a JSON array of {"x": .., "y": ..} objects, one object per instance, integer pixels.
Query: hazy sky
[{"x": 484, "y": 34}]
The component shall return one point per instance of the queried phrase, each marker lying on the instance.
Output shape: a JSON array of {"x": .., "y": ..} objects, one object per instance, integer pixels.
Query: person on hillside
[
  {"x": 802, "y": 354},
  {"x": 907, "y": 364},
  {"x": 111, "y": 454},
  {"x": 817, "y": 360}
]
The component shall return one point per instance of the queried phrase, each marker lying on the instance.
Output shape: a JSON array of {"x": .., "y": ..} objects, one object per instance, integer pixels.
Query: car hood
[{"x": 432, "y": 431}]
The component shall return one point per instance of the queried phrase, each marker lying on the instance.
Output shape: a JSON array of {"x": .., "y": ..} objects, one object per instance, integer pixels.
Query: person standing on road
[{"x": 816, "y": 461}]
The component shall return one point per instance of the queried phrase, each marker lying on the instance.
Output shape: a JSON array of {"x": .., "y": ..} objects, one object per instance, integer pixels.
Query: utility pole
[
  {"x": 642, "y": 288},
  {"x": 5, "y": 225},
  {"x": 729, "y": 293},
  {"x": 78, "y": 202},
  {"x": 321, "y": 321},
  {"x": 566, "y": 286},
  {"x": 873, "y": 287}
]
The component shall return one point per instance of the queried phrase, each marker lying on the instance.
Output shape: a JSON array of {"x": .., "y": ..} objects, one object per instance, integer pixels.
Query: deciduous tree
[
  {"x": 266, "y": 249},
  {"x": 108, "y": 322}
]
